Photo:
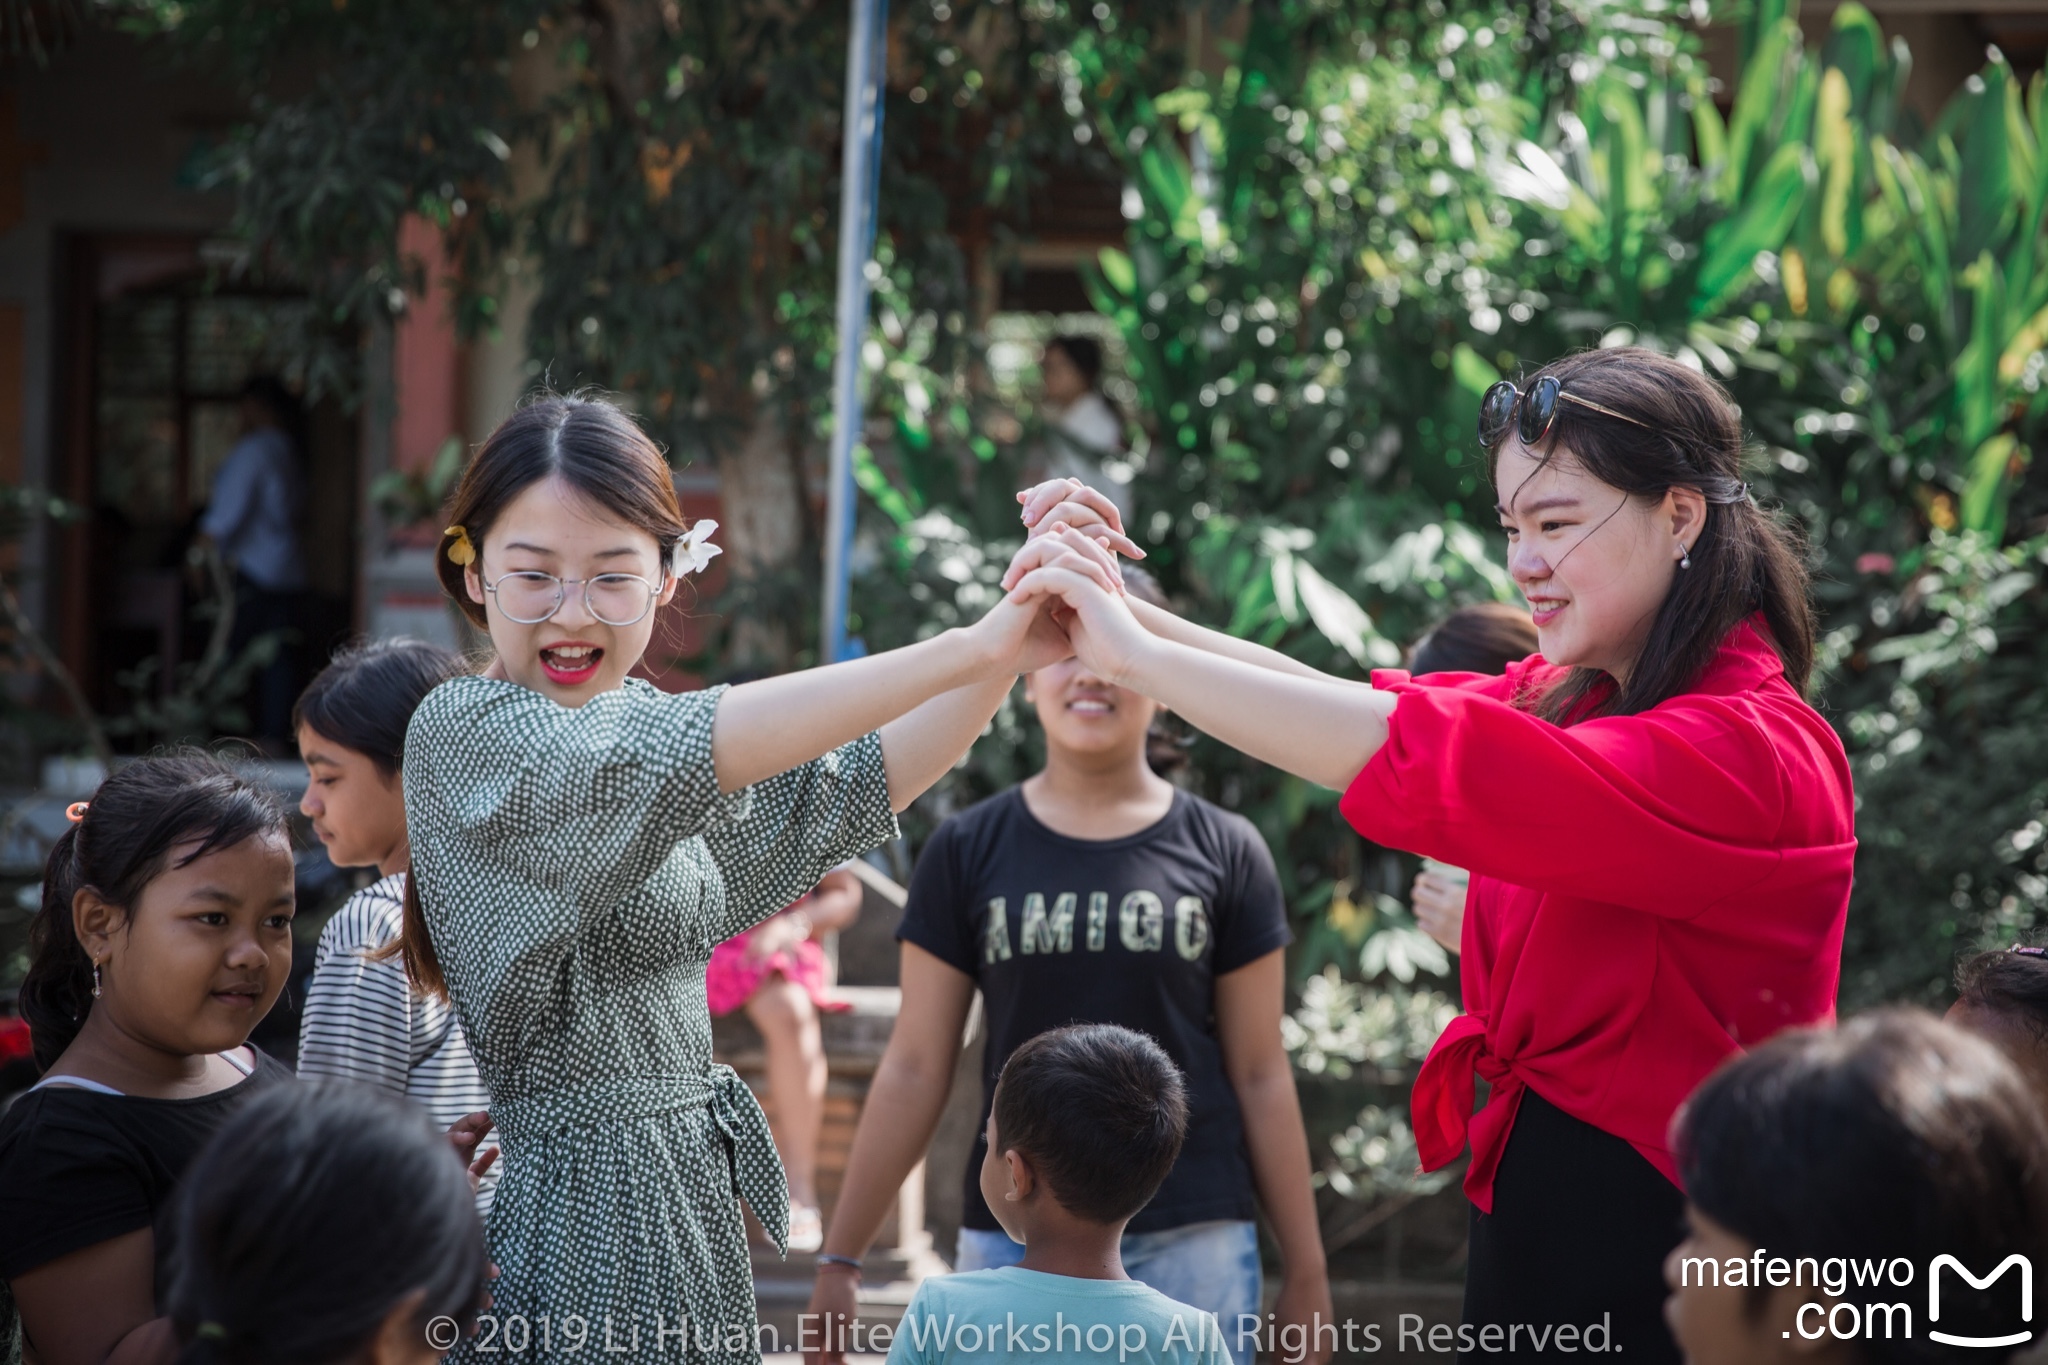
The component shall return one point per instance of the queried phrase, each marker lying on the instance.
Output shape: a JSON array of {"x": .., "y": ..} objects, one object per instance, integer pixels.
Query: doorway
[{"x": 159, "y": 353}]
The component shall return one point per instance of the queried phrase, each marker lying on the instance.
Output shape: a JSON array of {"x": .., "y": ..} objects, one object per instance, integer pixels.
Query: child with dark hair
[
  {"x": 2003, "y": 995},
  {"x": 163, "y": 938},
  {"x": 1087, "y": 1122},
  {"x": 327, "y": 1223},
  {"x": 1097, "y": 891},
  {"x": 363, "y": 1021},
  {"x": 1897, "y": 1142}
]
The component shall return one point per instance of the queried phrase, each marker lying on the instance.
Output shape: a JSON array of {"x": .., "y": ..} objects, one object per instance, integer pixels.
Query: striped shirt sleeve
[{"x": 358, "y": 1021}]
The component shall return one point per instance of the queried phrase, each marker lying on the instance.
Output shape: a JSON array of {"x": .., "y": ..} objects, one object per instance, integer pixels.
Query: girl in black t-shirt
[
  {"x": 164, "y": 936},
  {"x": 1098, "y": 892}
]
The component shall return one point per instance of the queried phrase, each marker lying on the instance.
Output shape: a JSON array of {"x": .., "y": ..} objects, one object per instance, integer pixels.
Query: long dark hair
[
  {"x": 1895, "y": 1135},
  {"x": 1745, "y": 560},
  {"x": 1483, "y": 638},
  {"x": 310, "y": 1217},
  {"x": 593, "y": 446},
  {"x": 364, "y": 699},
  {"x": 137, "y": 819}
]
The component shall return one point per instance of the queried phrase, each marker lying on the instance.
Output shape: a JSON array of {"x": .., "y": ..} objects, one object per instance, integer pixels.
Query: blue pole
[{"x": 860, "y": 172}]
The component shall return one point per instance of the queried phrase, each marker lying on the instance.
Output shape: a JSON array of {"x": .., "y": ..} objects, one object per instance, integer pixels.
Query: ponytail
[
  {"x": 122, "y": 841},
  {"x": 58, "y": 989}
]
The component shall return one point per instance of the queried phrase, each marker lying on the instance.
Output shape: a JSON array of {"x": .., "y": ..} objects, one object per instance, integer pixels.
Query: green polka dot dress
[{"x": 576, "y": 868}]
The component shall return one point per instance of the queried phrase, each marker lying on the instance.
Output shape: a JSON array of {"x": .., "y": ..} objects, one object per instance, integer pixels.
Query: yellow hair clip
[{"x": 460, "y": 551}]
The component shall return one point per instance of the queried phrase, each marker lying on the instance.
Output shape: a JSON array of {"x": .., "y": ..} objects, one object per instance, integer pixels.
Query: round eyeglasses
[
  {"x": 529, "y": 597},
  {"x": 1536, "y": 410}
]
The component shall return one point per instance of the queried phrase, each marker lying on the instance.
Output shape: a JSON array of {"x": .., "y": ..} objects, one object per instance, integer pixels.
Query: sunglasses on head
[{"x": 1532, "y": 413}]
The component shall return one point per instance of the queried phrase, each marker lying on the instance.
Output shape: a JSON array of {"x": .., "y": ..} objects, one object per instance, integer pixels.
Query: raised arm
[
  {"x": 1071, "y": 503},
  {"x": 930, "y": 700},
  {"x": 768, "y": 727},
  {"x": 1317, "y": 727},
  {"x": 1182, "y": 631}
]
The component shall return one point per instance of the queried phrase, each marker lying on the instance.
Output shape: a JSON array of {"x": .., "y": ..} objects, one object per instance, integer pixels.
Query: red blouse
[{"x": 1650, "y": 893}]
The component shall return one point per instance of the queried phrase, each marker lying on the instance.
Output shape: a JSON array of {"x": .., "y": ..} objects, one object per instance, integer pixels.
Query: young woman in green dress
[{"x": 581, "y": 841}]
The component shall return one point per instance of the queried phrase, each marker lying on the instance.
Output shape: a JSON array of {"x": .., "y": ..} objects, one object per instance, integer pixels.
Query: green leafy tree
[{"x": 1346, "y": 218}]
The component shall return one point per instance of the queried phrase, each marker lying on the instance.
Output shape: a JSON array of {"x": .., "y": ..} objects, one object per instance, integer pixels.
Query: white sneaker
[{"x": 806, "y": 1228}]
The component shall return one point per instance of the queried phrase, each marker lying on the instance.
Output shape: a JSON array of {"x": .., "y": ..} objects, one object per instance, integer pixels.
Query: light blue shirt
[
  {"x": 1015, "y": 1316},
  {"x": 254, "y": 510}
]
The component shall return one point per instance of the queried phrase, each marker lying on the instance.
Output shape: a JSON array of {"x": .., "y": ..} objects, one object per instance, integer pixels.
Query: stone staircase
[{"x": 905, "y": 1250}]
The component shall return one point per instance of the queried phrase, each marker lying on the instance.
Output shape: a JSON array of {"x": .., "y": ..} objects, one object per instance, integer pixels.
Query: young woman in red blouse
[{"x": 1660, "y": 829}]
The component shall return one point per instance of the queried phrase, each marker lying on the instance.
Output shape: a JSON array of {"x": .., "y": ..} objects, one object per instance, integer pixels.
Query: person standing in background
[
  {"x": 778, "y": 973},
  {"x": 1086, "y": 440},
  {"x": 252, "y": 518},
  {"x": 1484, "y": 638}
]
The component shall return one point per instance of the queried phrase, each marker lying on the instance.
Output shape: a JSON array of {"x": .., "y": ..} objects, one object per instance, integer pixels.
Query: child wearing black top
[
  {"x": 1099, "y": 892},
  {"x": 164, "y": 936}
]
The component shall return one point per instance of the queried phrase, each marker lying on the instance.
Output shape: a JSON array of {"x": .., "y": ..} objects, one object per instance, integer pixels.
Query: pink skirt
[{"x": 731, "y": 980}]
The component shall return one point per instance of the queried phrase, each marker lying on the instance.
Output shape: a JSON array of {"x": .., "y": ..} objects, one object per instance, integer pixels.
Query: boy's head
[
  {"x": 1892, "y": 1141},
  {"x": 1091, "y": 1116},
  {"x": 2003, "y": 996}
]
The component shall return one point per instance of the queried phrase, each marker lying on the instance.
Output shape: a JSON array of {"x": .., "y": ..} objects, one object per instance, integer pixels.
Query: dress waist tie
[
  {"x": 752, "y": 1163},
  {"x": 1441, "y": 1106}
]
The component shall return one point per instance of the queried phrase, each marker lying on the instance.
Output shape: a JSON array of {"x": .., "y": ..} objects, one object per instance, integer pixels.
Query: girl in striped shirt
[{"x": 363, "y": 1021}]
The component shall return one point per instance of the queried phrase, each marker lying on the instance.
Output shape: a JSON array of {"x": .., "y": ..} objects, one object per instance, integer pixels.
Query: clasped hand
[{"x": 1064, "y": 588}]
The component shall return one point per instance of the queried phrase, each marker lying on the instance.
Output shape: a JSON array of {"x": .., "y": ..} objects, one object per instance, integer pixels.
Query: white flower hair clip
[{"x": 694, "y": 552}]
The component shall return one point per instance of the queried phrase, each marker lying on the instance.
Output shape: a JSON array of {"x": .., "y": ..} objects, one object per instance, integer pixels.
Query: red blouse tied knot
[{"x": 1445, "y": 1091}]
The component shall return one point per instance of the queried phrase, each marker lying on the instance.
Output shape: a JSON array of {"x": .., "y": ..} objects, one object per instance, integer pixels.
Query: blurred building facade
[{"x": 123, "y": 346}]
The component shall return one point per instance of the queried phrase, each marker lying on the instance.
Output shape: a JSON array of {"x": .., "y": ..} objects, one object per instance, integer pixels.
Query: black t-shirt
[
  {"x": 1130, "y": 931},
  {"x": 78, "y": 1167}
]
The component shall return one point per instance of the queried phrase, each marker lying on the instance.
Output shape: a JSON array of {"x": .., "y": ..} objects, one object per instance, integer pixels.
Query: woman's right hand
[
  {"x": 1098, "y": 623},
  {"x": 1070, "y": 502},
  {"x": 1024, "y": 634},
  {"x": 833, "y": 1307}
]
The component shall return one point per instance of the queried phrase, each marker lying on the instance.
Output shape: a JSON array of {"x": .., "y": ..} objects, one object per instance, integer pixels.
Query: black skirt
[{"x": 1580, "y": 1227}]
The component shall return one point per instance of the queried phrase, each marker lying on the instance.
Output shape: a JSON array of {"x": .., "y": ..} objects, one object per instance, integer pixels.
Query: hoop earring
[
  {"x": 1684, "y": 556},
  {"x": 95, "y": 980}
]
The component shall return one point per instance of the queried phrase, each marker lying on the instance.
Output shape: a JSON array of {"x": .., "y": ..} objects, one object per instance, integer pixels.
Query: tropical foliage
[
  {"x": 1345, "y": 218},
  {"x": 1345, "y": 235}
]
